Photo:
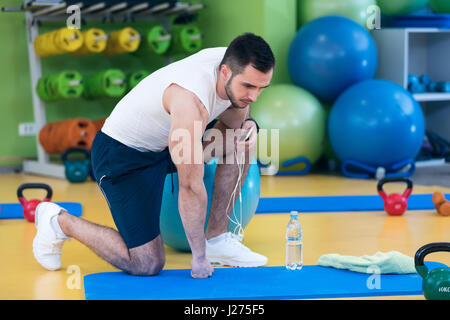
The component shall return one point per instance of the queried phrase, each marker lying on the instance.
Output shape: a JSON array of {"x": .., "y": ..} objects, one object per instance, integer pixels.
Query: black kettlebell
[
  {"x": 436, "y": 283},
  {"x": 77, "y": 170}
]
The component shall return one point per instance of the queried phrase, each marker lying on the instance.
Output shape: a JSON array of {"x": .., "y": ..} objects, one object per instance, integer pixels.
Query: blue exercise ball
[
  {"x": 376, "y": 122},
  {"x": 172, "y": 230},
  {"x": 330, "y": 54}
]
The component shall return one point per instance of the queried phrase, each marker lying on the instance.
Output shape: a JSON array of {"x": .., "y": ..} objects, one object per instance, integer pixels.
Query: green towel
[{"x": 390, "y": 262}]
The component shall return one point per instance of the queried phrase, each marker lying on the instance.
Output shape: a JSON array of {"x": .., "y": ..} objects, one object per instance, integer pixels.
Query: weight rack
[{"x": 93, "y": 10}]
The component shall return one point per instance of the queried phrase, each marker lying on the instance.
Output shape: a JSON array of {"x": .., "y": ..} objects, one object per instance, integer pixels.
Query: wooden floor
[{"x": 351, "y": 233}]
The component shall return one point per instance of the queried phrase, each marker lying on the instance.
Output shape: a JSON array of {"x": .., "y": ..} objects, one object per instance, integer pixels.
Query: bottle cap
[{"x": 294, "y": 214}]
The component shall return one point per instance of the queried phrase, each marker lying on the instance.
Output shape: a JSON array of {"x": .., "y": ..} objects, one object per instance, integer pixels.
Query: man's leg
[
  {"x": 223, "y": 247},
  {"x": 225, "y": 180},
  {"x": 135, "y": 202},
  {"x": 108, "y": 244}
]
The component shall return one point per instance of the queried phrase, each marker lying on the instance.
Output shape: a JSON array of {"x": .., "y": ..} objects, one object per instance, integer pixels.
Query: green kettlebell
[
  {"x": 77, "y": 170},
  {"x": 436, "y": 283}
]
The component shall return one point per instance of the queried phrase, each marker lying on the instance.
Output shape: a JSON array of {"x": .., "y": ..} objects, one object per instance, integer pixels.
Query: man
[{"x": 152, "y": 132}]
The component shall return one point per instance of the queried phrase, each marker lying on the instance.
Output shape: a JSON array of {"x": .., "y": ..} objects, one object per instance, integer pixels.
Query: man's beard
[{"x": 230, "y": 95}]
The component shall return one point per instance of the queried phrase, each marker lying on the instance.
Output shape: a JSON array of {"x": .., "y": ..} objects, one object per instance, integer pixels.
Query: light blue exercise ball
[
  {"x": 376, "y": 122},
  {"x": 330, "y": 54},
  {"x": 172, "y": 230}
]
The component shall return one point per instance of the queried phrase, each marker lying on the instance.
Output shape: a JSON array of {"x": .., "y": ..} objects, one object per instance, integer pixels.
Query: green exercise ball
[
  {"x": 440, "y": 6},
  {"x": 400, "y": 7},
  {"x": 300, "y": 120},
  {"x": 354, "y": 9}
]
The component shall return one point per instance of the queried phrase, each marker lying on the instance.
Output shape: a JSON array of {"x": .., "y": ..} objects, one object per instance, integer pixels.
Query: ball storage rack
[{"x": 93, "y": 10}]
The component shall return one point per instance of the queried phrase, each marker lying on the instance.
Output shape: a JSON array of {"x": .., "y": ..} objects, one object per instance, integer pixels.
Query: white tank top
[{"x": 140, "y": 121}]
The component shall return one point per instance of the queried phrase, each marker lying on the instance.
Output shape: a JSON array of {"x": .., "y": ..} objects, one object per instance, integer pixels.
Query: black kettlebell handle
[
  {"x": 430, "y": 248},
  {"x": 44, "y": 186},
  {"x": 383, "y": 181},
  {"x": 66, "y": 153}
]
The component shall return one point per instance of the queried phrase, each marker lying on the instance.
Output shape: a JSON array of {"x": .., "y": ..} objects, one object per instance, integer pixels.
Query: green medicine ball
[
  {"x": 354, "y": 9},
  {"x": 300, "y": 120}
]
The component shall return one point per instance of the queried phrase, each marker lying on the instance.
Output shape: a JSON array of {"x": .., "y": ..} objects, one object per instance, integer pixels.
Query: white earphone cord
[{"x": 238, "y": 230}]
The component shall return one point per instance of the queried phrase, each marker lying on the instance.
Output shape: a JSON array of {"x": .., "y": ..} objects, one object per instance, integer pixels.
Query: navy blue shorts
[{"x": 132, "y": 183}]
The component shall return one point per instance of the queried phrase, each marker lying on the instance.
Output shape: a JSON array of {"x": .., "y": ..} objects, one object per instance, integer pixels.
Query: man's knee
[
  {"x": 146, "y": 268},
  {"x": 226, "y": 150},
  {"x": 148, "y": 259},
  {"x": 237, "y": 156}
]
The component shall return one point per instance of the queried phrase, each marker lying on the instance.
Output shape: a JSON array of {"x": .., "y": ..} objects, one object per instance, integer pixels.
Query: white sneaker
[
  {"x": 47, "y": 244},
  {"x": 227, "y": 250}
]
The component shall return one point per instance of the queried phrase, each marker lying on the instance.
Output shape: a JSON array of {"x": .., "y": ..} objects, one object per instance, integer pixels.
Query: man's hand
[
  {"x": 201, "y": 268},
  {"x": 250, "y": 143}
]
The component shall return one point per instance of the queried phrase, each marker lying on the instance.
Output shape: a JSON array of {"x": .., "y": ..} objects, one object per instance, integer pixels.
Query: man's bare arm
[{"x": 186, "y": 113}]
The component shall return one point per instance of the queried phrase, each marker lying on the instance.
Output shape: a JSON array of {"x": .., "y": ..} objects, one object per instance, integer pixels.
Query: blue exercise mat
[
  {"x": 274, "y": 283},
  {"x": 338, "y": 203},
  {"x": 15, "y": 210}
]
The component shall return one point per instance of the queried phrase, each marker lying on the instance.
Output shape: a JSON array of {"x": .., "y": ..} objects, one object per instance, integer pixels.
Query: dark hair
[{"x": 249, "y": 49}]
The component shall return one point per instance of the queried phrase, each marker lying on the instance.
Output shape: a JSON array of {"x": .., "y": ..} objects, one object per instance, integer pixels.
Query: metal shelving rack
[
  {"x": 405, "y": 51},
  {"x": 35, "y": 11}
]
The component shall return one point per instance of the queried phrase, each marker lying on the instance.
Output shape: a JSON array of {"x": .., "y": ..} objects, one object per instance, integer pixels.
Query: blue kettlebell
[{"x": 77, "y": 170}]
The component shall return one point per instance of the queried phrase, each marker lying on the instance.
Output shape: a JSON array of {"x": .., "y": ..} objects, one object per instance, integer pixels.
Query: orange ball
[
  {"x": 441, "y": 204},
  {"x": 444, "y": 209}
]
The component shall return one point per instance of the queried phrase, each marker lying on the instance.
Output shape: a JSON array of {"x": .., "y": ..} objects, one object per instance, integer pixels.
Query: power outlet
[{"x": 27, "y": 129}]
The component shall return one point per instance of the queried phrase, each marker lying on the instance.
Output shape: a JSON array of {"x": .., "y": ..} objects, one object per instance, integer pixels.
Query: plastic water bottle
[{"x": 294, "y": 244}]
